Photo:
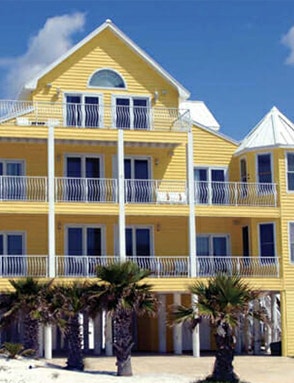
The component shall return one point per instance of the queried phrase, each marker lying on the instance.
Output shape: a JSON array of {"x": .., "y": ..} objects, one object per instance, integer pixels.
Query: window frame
[
  {"x": 274, "y": 239},
  {"x": 84, "y": 228},
  {"x": 107, "y": 87},
  {"x": 83, "y": 95},
  {"x": 289, "y": 241},
  {"x": 287, "y": 172}
]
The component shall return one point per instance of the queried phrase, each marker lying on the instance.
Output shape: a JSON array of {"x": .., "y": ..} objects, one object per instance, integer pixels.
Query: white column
[
  {"x": 177, "y": 329},
  {"x": 192, "y": 223},
  {"x": 121, "y": 196},
  {"x": 195, "y": 334},
  {"x": 97, "y": 334},
  {"x": 108, "y": 335},
  {"x": 162, "y": 323},
  {"x": 48, "y": 342},
  {"x": 51, "y": 202}
]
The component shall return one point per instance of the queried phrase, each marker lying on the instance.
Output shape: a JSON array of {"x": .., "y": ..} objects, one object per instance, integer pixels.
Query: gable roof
[
  {"x": 274, "y": 130},
  {"x": 32, "y": 84},
  {"x": 200, "y": 114}
]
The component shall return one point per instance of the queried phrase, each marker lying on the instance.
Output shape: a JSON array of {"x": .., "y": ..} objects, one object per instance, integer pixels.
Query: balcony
[
  {"x": 137, "y": 191},
  {"x": 161, "y": 266},
  {"x": 93, "y": 116},
  {"x": 235, "y": 193}
]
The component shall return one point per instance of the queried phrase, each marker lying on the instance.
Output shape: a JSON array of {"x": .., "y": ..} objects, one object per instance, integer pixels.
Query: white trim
[
  {"x": 210, "y": 237},
  {"x": 106, "y": 87},
  {"x": 84, "y": 228},
  {"x": 274, "y": 235},
  {"x": 32, "y": 84},
  {"x": 83, "y": 157}
]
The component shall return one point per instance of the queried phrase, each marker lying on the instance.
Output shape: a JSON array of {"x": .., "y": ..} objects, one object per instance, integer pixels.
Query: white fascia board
[{"x": 183, "y": 92}]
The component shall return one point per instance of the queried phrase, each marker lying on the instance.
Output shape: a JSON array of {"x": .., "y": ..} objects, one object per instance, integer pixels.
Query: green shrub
[{"x": 12, "y": 350}]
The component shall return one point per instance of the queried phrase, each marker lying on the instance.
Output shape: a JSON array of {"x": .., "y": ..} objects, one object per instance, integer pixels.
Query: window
[
  {"x": 83, "y": 181},
  {"x": 132, "y": 113},
  {"x": 106, "y": 78},
  {"x": 12, "y": 250},
  {"x": 138, "y": 184},
  {"x": 210, "y": 187},
  {"x": 83, "y": 245},
  {"x": 264, "y": 173},
  {"x": 290, "y": 171},
  {"x": 138, "y": 244},
  {"x": 11, "y": 186},
  {"x": 266, "y": 242},
  {"x": 83, "y": 111},
  {"x": 291, "y": 241},
  {"x": 243, "y": 177},
  {"x": 211, "y": 250}
]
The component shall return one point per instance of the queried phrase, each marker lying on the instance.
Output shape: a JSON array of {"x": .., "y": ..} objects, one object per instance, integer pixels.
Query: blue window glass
[
  {"x": 75, "y": 241},
  {"x": 267, "y": 245}
]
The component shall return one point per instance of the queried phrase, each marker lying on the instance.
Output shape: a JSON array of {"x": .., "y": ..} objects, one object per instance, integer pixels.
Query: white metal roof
[
  {"x": 183, "y": 92},
  {"x": 274, "y": 130},
  {"x": 200, "y": 114}
]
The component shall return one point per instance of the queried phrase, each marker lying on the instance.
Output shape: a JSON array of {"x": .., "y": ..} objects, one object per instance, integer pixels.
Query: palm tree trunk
[
  {"x": 73, "y": 335},
  {"x": 123, "y": 341},
  {"x": 31, "y": 334},
  {"x": 223, "y": 369}
]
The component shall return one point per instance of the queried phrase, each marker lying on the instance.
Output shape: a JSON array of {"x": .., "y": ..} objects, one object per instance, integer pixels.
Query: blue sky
[{"x": 237, "y": 56}]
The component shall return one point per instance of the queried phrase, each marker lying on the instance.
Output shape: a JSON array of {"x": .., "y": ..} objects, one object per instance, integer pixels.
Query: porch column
[
  {"x": 48, "y": 342},
  {"x": 192, "y": 223},
  {"x": 108, "y": 335},
  {"x": 51, "y": 202},
  {"x": 195, "y": 333},
  {"x": 97, "y": 334},
  {"x": 41, "y": 340},
  {"x": 177, "y": 329},
  {"x": 121, "y": 196},
  {"x": 162, "y": 323}
]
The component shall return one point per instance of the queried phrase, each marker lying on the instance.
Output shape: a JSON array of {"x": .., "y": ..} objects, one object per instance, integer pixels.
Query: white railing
[
  {"x": 235, "y": 193},
  {"x": 20, "y": 188},
  {"x": 252, "y": 267},
  {"x": 23, "y": 265},
  {"x": 85, "y": 190},
  {"x": 29, "y": 113},
  {"x": 80, "y": 266},
  {"x": 156, "y": 191},
  {"x": 160, "y": 266}
]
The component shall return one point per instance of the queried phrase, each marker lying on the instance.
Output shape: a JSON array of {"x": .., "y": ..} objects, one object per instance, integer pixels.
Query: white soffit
[
  {"x": 274, "y": 130},
  {"x": 183, "y": 92},
  {"x": 200, "y": 114}
]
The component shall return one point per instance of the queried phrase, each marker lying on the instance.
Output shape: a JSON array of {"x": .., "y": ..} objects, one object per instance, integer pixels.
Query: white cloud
[
  {"x": 288, "y": 40},
  {"x": 51, "y": 41}
]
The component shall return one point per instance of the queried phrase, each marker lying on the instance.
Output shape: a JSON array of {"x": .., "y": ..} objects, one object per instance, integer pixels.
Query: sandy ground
[{"x": 146, "y": 369}]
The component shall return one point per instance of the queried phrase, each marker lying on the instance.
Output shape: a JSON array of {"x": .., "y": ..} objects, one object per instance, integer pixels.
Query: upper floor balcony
[
  {"x": 101, "y": 190},
  {"x": 93, "y": 115}
]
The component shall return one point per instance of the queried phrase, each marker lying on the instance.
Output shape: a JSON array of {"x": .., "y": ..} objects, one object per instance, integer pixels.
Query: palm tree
[
  {"x": 222, "y": 300},
  {"x": 23, "y": 303},
  {"x": 64, "y": 305},
  {"x": 122, "y": 294}
]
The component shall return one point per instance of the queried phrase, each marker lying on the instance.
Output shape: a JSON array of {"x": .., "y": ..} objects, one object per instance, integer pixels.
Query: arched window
[{"x": 106, "y": 78}]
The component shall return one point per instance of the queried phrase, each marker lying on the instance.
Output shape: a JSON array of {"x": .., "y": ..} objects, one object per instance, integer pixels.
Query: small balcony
[
  {"x": 160, "y": 266},
  {"x": 93, "y": 116}
]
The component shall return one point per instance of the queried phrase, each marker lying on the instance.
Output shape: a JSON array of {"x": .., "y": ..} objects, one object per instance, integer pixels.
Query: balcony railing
[
  {"x": 85, "y": 190},
  {"x": 235, "y": 193},
  {"x": 156, "y": 191},
  {"x": 29, "y": 113},
  {"x": 20, "y": 188},
  {"x": 23, "y": 265},
  {"x": 160, "y": 266},
  {"x": 101, "y": 190}
]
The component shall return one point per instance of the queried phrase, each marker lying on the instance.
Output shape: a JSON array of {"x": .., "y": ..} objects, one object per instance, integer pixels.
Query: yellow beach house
[{"x": 105, "y": 156}]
